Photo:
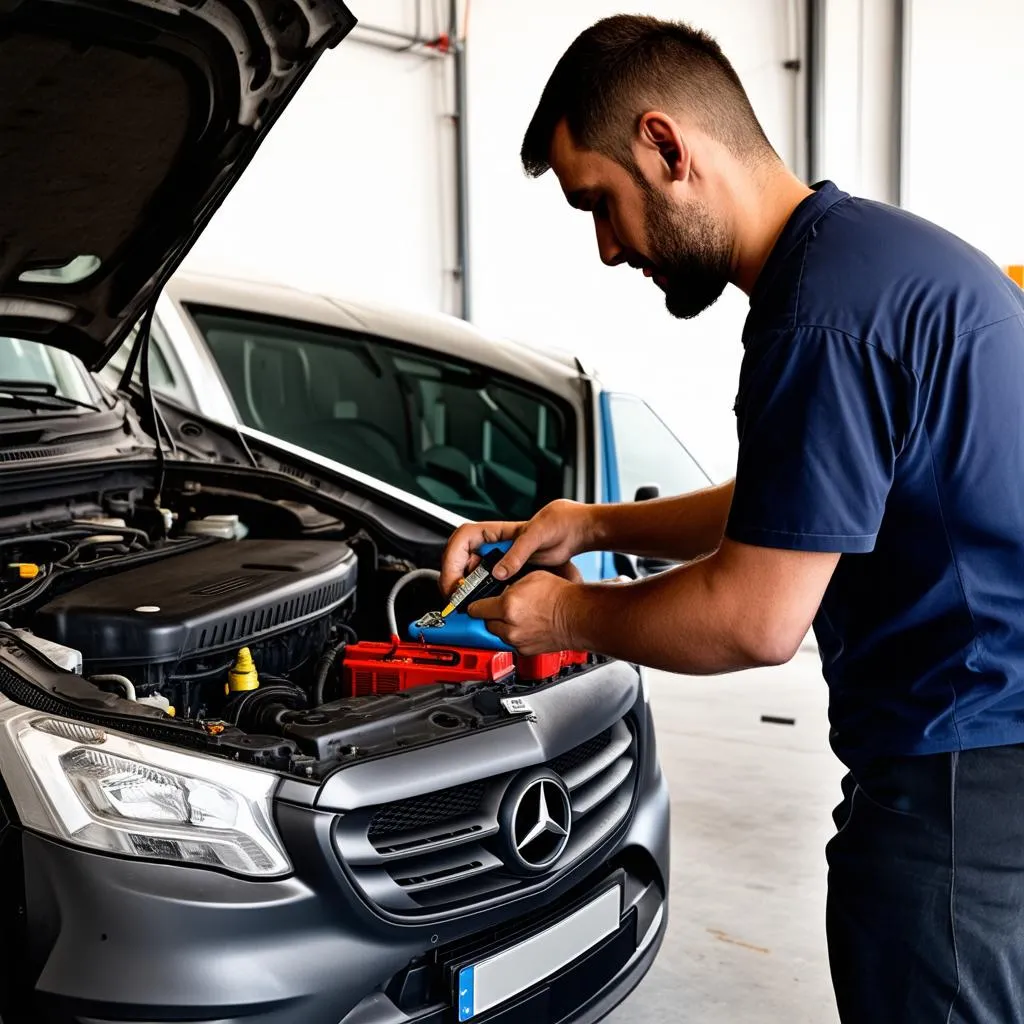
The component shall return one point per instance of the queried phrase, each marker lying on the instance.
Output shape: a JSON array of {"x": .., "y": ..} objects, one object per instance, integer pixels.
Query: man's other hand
[{"x": 532, "y": 615}]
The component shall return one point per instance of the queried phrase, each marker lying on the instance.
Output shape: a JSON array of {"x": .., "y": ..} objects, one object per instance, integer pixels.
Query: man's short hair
[{"x": 623, "y": 66}]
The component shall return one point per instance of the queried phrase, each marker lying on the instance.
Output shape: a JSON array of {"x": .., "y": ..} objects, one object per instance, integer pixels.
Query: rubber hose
[
  {"x": 350, "y": 633},
  {"x": 123, "y": 681},
  {"x": 263, "y": 709}
]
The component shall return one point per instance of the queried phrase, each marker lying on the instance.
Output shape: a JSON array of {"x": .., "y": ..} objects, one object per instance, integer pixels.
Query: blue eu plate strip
[{"x": 466, "y": 998}]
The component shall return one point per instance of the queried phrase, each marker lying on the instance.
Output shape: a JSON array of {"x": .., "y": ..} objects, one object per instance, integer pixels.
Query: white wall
[
  {"x": 861, "y": 83},
  {"x": 536, "y": 270},
  {"x": 351, "y": 192},
  {"x": 964, "y": 136}
]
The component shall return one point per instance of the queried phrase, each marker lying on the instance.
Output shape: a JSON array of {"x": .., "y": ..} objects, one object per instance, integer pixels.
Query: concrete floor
[{"x": 751, "y": 806}]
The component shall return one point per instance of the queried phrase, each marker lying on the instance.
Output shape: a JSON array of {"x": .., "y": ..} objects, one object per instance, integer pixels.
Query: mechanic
[{"x": 879, "y": 492}]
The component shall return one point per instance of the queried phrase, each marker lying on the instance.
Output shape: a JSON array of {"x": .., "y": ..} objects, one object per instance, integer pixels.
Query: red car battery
[
  {"x": 539, "y": 668},
  {"x": 369, "y": 667}
]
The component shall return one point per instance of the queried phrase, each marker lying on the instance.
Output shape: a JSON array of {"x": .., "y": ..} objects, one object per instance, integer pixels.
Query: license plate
[{"x": 484, "y": 985}]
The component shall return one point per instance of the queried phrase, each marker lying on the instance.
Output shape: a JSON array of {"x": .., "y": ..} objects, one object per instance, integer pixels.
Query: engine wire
[
  {"x": 328, "y": 660},
  {"x": 416, "y": 574}
]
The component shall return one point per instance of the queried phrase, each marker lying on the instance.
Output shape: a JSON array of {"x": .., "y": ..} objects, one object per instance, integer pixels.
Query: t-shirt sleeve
[{"x": 821, "y": 418}]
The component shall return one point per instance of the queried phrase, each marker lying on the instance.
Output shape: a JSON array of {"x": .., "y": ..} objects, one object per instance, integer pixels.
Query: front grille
[
  {"x": 443, "y": 851},
  {"x": 426, "y": 811},
  {"x": 572, "y": 759}
]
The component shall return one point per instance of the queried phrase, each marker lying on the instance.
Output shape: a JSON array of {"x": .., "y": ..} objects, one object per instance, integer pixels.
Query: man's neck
[{"x": 763, "y": 210}]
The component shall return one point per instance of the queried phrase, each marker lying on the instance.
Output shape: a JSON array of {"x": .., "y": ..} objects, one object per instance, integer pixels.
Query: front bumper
[
  {"x": 586, "y": 990},
  {"x": 107, "y": 940}
]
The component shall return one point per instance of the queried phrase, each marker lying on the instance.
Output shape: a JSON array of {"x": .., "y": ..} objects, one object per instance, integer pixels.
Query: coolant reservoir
[{"x": 159, "y": 701}]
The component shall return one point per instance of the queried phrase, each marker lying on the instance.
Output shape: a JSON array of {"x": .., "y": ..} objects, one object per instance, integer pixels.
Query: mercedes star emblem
[{"x": 537, "y": 820}]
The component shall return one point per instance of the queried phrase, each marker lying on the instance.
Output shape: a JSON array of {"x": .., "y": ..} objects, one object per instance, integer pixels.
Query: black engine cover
[{"x": 214, "y": 599}]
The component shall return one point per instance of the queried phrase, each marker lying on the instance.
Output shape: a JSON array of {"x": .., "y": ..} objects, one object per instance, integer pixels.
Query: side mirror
[
  {"x": 647, "y": 492},
  {"x": 652, "y": 566}
]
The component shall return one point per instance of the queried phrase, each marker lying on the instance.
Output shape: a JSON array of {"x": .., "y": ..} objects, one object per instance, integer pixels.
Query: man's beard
[{"x": 689, "y": 250}]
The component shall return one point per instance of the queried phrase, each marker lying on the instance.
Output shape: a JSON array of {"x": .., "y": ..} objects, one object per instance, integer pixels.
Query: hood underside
[{"x": 123, "y": 124}]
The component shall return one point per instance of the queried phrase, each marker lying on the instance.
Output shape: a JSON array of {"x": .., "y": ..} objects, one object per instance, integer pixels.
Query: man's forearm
[
  {"x": 738, "y": 608},
  {"x": 680, "y": 528},
  {"x": 673, "y": 621}
]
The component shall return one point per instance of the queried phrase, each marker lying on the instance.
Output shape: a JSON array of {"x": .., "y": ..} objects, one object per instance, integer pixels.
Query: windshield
[
  {"x": 479, "y": 444},
  {"x": 32, "y": 362}
]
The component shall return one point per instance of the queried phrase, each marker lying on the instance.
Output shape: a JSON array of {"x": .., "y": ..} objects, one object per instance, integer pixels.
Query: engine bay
[{"x": 261, "y": 630}]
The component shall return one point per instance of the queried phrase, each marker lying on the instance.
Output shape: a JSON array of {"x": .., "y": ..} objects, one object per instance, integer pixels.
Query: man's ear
[{"x": 660, "y": 132}]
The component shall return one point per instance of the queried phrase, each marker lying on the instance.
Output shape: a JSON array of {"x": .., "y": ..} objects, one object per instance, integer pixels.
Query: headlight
[{"x": 113, "y": 793}]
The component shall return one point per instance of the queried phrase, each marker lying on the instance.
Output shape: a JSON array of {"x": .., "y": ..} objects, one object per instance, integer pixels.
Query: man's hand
[
  {"x": 531, "y": 615},
  {"x": 557, "y": 533}
]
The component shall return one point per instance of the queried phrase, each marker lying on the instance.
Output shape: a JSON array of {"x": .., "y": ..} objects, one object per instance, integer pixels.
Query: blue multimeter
[{"x": 456, "y": 628}]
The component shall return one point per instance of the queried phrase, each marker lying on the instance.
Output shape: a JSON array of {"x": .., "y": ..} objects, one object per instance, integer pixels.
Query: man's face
[{"x": 673, "y": 238}]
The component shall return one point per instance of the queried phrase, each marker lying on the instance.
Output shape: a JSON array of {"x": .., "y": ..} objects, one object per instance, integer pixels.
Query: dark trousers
[{"x": 925, "y": 914}]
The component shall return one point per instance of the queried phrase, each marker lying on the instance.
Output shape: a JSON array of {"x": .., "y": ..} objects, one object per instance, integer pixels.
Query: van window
[
  {"x": 165, "y": 372},
  {"x": 647, "y": 452},
  {"x": 33, "y": 361},
  {"x": 479, "y": 444}
]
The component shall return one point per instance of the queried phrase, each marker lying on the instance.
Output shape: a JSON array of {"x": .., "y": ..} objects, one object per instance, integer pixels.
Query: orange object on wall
[{"x": 1016, "y": 272}]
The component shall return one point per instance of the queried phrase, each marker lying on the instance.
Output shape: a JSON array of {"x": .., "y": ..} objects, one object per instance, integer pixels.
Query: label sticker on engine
[{"x": 516, "y": 705}]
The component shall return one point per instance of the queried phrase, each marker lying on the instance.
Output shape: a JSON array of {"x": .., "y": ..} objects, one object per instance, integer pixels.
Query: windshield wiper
[{"x": 38, "y": 394}]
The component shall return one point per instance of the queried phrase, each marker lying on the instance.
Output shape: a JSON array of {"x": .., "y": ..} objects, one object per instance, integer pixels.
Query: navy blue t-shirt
[{"x": 881, "y": 414}]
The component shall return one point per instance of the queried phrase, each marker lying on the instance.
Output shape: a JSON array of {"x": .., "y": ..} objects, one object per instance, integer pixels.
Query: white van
[{"x": 482, "y": 426}]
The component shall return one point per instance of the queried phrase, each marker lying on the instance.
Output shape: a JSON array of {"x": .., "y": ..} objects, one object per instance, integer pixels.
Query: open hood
[{"x": 123, "y": 124}]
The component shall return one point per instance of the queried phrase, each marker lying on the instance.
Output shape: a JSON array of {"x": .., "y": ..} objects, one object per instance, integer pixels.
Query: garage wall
[
  {"x": 351, "y": 191},
  {"x": 964, "y": 144},
  {"x": 859, "y": 132},
  {"x": 537, "y": 275}
]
